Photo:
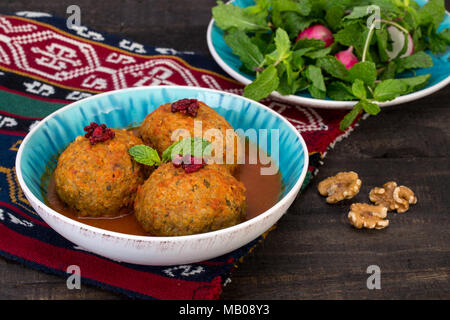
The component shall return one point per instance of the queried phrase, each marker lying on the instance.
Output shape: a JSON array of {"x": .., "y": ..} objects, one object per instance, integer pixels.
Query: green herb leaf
[
  {"x": 411, "y": 17},
  {"x": 294, "y": 23},
  {"x": 229, "y": 16},
  {"x": 302, "y": 7},
  {"x": 382, "y": 37},
  {"x": 389, "y": 7},
  {"x": 340, "y": 92},
  {"x": 334, "y": 67},
  {"x": 420, "y": 42},
  {"x": 433, "y": 12},
  {"x": 365, "y": 71},
  {"x": 359, "y": 90},
  {"x": 314, "y": 74},
  {"x": 390, "y": 72},
  {"x": 258, "y": 7},
  {"x": 319, "y": 53},
  {"x": 334, "y": 15},
  {"x": 445, "y": 35},
  {"x": 351, "y": 116},
  {"x": 145, "y": 155},
  {"x": 393, "y": 88},
  {"x": 316, "y": 92},
  {"x": 264, "y": 84},
  {"x": 370, "y": 108},
  {"x": 438, "y": 43},
  {"x": 416, "y": 83},
  {"x": 417, "y": 60},
  {"x": 282, "y": 44},
  {"x": 313, "y": 44},
  {"x": 358, "y": 12},
  {"x": 351, "y": 35},
  {"x": 389, "y": 89},
  {"x": 297, "y": 60},
  {"x": 197, "y": 147},
  {"x": 242, "y": 46}
]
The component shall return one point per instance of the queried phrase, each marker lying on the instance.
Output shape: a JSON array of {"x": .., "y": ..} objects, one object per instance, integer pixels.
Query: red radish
[
  {"x": 318, "y": 32},
  {"x": 347, "y": 58},
  {"x": 398, "y": 42}
]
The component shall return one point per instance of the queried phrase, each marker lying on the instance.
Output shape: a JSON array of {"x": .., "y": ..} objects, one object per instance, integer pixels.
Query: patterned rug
[{"x": 44, "y": 66}]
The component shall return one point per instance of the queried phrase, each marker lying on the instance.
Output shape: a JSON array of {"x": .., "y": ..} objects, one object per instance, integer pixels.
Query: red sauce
[{"x": 263, "y": 192}]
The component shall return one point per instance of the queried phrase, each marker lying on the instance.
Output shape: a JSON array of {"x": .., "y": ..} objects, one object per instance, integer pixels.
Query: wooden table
[{"x": 313, "y": 253}]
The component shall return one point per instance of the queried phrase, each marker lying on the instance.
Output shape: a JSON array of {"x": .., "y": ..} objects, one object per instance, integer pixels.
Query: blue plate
[{"x": 230, "y": 63}]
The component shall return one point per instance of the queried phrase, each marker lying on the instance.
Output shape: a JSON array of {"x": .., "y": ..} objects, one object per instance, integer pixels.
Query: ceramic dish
[
  {"x": 230, "y": 63},
  {"x": 128, "y": 107}
]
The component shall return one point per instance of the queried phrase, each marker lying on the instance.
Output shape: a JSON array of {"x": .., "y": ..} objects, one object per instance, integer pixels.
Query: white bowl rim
[
  {"x": 295, "y": 189},
  {"x": 319, "y": 103}
]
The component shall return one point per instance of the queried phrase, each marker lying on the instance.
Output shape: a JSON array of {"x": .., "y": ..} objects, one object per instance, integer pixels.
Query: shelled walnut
[
  {"x": 393, "y": 197},
  {"x": 344, "y": 185},
  {"x": 363, "y": 215}
]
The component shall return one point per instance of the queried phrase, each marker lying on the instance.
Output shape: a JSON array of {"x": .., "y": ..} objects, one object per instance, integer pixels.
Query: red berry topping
[
  {"x": 98, "y": 133},
  {"x": 188, "y": 162},
  {"x": 186, "y": 106},
  {"x": 177, "y": 161}
]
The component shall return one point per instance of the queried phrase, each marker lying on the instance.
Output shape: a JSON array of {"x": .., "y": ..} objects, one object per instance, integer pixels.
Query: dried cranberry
[
  {"x": 188, "y": 162},
  {"x": 186, "y": 106},
  {"x": 98, "y": 133}
]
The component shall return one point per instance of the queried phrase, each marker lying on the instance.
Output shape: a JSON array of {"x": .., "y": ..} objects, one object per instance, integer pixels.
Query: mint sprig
[{"x": 145, "y": 155}]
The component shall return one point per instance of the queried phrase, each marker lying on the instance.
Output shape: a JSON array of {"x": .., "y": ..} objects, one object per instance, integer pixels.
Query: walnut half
[
  {"x": 393, "y": 197},
  {"x": 363, "y": 215},
  {"x": 344, "y": 185}
]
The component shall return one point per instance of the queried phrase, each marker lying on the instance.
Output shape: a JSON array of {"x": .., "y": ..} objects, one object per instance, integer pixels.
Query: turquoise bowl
[
  {"x": 230, "y": 63},
  {"x": 127, "y": 108}
]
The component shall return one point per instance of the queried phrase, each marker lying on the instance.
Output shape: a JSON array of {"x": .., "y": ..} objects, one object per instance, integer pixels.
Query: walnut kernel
[
  {"x": 344, "y": 185},
  {"x": 363, "y": 215},
  {"x": 393, "y": 197},
  {"x": 403, "y": 197}
]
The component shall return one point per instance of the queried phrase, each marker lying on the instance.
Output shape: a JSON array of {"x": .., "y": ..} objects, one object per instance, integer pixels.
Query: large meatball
[
  {"x": 174, "y": 203},
  {"x": 100, "y": 179},
  {"x": 162, "y": 125}
]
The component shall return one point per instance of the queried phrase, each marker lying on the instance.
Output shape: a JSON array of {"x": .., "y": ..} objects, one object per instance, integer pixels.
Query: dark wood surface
[{"x": 313, "y": 253}]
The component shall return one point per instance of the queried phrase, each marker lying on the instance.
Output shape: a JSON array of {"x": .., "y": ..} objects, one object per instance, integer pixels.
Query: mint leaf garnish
[
  {"x": 197, "y": 147},
  {"x": 145, "y": 155}
]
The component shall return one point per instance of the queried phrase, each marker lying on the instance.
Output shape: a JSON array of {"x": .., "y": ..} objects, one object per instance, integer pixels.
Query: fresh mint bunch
[{"x": 283, "y": 45}]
